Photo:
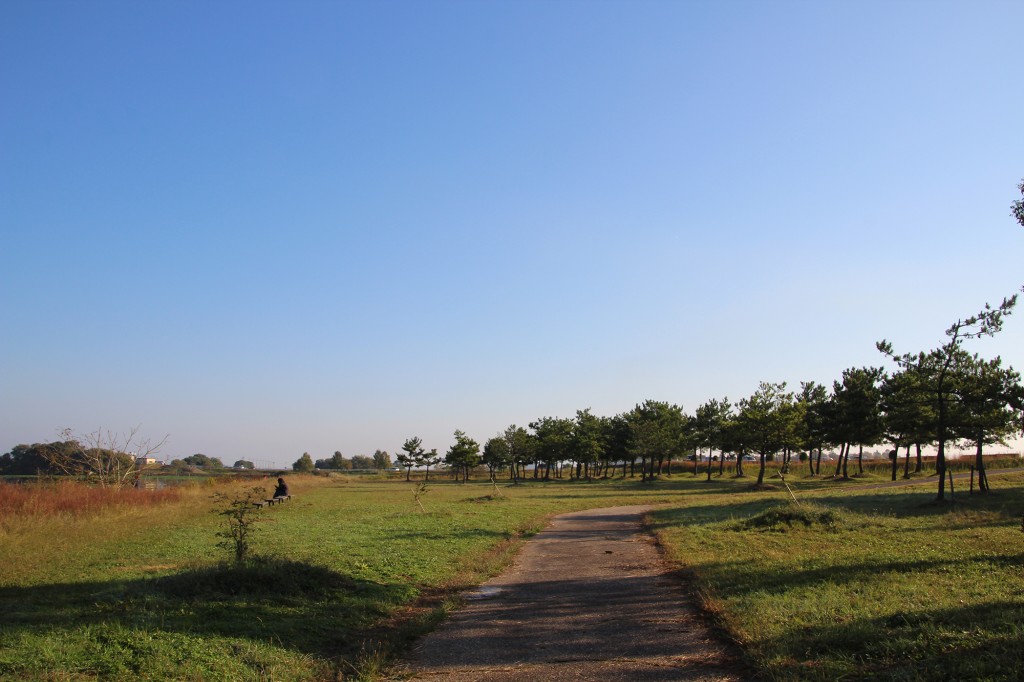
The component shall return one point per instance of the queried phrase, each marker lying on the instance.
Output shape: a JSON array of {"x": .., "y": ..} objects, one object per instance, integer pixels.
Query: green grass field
[
  {"x": 882, "y": 583},
  {"x": 129, "y": 593},
  {"x": 861, "y": 584}
]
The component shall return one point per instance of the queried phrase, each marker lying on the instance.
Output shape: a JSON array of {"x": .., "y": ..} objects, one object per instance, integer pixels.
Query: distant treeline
[{"x": 379, "y": 460}]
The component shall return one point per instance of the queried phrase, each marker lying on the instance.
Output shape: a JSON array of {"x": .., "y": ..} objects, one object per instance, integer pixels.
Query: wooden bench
[{"x": 271, "y": 501}]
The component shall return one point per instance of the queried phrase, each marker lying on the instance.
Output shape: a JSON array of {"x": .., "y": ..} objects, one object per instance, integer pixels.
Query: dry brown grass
[{"x": 76, "y": 499}]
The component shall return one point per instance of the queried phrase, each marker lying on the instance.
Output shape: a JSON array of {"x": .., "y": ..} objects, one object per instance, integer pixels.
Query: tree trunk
[
  {"x": 906, "y": 464},
  {"x": 818, "y": 472},
  {"x": 760, "y": 472},
  {"x": 895, "y": 461},
  {"x": 920, "y": 464},
  {"x": 709, "y": 464},
  {"x": 860, "y": 460},
  {"x": 839, "y": 462},
  {"x": 940, "y": 457},
  {"x": 940, "y": 468},
  {"x": 979, "y": 464}
]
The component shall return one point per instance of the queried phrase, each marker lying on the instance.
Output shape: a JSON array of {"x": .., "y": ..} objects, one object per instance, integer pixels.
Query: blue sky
[{"x": 270, "y": 228}]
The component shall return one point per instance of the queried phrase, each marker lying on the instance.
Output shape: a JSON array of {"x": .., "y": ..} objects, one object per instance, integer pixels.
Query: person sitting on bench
[{"x": 282, "y": 488}]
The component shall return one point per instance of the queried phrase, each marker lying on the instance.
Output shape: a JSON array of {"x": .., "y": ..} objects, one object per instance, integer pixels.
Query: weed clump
[{"x": 783, "y": 518}]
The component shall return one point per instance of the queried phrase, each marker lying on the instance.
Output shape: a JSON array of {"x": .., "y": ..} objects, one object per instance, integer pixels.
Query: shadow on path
[{"x": 589, "y": 598}]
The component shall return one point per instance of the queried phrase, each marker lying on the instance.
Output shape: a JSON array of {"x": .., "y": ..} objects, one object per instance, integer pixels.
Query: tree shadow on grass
[
  {"x": 740, "y": 578},
  {"x": 973, "y": 641},
  {"x": 696, "y": 514},
  {"x": 301, "y": 607},
  {"x": 1006, "y": 504}
]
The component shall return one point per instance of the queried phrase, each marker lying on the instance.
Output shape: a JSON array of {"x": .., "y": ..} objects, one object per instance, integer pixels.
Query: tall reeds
[{"x": 76, "y": 499}]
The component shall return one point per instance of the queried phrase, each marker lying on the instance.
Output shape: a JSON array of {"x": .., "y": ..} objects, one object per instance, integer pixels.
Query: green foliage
[
  {"x": 767, "y": 422},
  {"x": 497, "y": 454},
  {"x": 381, "y": 460},
  {"x": 240, "y": 515},
  {"x": 362, "y": 462},
  {"x": 657, "y": 430},
  {"x": 587, "y": 442},
  {"x": 243, "y": 464},
  {"x": 553, "y": 438},
  {"x": 708, "y": 425},
  {"x": 337, "y": 462},
  {"x": 522, "y": 447},
  {"x": 28, "y": 460},
  {"x": 939, "y": 372},
  {"x": 463, "y": 455},
  {"x": 304, "y": 464},
  {"x": 102, "y": 458},
  {"x": 413, "y": 449},
  {"x": 201, "y": 460}
]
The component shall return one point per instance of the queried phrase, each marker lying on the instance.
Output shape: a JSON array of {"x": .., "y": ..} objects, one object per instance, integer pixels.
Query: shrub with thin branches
[{"x": 240, "y": 514}]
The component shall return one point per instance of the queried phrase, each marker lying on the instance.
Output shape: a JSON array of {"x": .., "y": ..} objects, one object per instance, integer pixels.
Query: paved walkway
[{"x": 589, "y": 598}]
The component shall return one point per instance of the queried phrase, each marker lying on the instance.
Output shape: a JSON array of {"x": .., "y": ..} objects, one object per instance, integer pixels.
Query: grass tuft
[{"x": 783, "y": 518}]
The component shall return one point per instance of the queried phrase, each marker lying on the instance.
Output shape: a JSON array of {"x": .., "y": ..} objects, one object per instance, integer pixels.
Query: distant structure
[{"x": 143, "y": 462}]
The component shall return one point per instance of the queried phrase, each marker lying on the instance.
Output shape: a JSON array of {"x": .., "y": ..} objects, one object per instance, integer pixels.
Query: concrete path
[{"x": 589, "y": 598}]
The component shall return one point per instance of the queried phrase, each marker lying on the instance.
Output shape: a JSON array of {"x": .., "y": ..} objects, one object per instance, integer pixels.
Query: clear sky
[{"x": 272, "y": 228}]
